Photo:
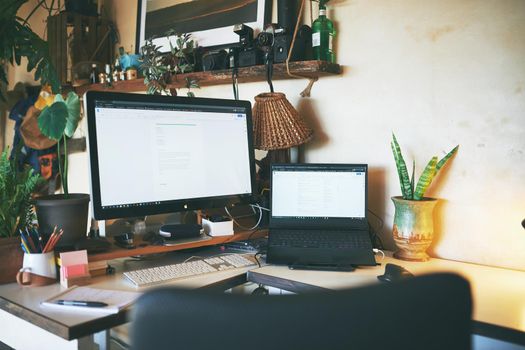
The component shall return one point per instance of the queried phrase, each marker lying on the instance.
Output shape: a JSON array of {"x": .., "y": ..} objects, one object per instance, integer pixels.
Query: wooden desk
[
  {"x": 498, "y": 294},
  {"x": 24, "y": 324}
]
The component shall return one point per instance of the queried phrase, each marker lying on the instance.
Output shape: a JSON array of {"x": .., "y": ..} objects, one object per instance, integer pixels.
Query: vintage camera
[
  {"x": 215, "y": 60},
  {"x": 275, "y": 40},
  {"x": 248, "y": 53}
]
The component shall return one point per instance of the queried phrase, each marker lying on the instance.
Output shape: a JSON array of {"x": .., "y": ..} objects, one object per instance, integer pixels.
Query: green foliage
[
  {"x": 429, "y": 173},
  {"x": 16, "y": 187},
  {"x": 61, "y": 117},
  {"x": 18, "y": 40},
  {"x": 159, "y": 69},
  {"x": 58, "y": 121}
]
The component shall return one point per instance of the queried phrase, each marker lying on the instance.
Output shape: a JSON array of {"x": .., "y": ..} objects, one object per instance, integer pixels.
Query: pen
[{"x": 81, "y": 303}]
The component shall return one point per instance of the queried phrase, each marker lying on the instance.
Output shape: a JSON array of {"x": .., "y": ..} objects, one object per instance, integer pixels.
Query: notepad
[{"x": 116, "y": 300}]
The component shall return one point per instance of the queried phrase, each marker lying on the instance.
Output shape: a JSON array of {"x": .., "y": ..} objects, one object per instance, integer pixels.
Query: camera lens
[{"x": 265, "y": 39}]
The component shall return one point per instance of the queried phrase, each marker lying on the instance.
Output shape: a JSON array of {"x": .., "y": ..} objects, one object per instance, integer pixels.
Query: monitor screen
[
  {"x": 159, "y": 154},
  {"x": 309, "y": 194}
]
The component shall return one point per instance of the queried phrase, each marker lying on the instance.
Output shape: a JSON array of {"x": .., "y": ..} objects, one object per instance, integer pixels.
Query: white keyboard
[{"x": 198, "y": 267}]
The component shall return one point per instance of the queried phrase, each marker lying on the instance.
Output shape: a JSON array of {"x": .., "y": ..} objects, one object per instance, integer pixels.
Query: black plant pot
[{"x": 67, "y": 212}]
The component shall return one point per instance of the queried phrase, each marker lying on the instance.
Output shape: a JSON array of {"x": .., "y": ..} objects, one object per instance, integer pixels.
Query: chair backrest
[{"x": 426, "y": 312}]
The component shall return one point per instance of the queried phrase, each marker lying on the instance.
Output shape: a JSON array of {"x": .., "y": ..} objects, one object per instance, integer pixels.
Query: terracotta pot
[
  {"x": 11, "y": 257},
  {"x": 413, "y": 228}
]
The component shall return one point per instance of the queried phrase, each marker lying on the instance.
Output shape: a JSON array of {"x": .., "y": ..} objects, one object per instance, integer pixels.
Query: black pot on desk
[{"x": 68, "y": 212}]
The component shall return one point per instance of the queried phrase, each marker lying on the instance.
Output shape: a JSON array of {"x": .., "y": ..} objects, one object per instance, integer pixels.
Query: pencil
[
  {"x": 28, "y": 241},
  {"x": 51, "y": 237},
  {"x": 24, "y": 244}
]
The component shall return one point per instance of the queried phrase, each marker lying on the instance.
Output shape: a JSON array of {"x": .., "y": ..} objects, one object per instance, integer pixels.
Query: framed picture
[{"x": 210, "y": 22}]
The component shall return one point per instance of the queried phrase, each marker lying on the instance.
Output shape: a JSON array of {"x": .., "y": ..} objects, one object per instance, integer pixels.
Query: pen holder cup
[{"x": 37, "y": 270}]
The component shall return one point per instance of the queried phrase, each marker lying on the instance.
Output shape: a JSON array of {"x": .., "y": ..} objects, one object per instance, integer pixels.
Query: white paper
[{"x": 115, "y": 299}]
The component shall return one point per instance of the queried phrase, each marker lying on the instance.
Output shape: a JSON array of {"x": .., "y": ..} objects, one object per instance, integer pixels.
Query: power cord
[
  {"x": 375, "y": 250},
  {"x": 241, "y": 226},
  {"x": 235, "y": 84}
]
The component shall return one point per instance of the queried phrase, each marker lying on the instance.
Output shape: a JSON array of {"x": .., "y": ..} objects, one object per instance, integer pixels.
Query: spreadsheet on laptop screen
[{"x": 319, "y": 194}]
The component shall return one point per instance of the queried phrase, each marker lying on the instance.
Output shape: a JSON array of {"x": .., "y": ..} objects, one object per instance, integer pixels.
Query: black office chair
[{"x": 427, "y": 312}]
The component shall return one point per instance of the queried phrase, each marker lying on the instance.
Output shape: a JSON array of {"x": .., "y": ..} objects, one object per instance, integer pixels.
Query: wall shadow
[
  {"x": 438, "y": 217},
  {"x": 308, "y": 110},
  {"x": 377, "y": 205}
]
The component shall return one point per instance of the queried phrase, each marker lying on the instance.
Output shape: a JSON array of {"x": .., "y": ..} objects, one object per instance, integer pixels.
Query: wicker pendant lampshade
[{"x": 276, "y": 123}]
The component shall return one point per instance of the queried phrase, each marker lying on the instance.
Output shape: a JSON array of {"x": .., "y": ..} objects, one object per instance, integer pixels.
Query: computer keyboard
[
  {"x": 166, "y": 273},
  {"x": 320, "y": 239}
]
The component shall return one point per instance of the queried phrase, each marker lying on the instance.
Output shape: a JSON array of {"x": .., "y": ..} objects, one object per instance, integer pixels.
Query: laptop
[{"x": 319, "y": 216}]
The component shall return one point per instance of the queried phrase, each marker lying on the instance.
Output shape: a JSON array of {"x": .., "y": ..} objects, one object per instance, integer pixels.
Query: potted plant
[
  {"x": 161, "y": 69},
  {"x": 18, "y": 40},
  {"x": 58, "y": 121},
  {"x": 16, "y": 187},
  {"x": 413, "y": 229}
]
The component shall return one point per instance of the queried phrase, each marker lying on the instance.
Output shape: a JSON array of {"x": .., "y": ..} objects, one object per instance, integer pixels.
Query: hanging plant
[
  {"x": 160, "y": 69},
  {"x": 19, "y": 40}
]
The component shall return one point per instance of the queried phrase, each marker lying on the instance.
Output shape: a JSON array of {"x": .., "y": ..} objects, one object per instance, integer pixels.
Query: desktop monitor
[{"x": 152, "y": 154}]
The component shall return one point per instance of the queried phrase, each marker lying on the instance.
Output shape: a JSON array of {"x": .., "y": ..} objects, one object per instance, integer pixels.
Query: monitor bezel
[
  {"x": 319, "y": 222},
  {"x": 178, "y": 205}
]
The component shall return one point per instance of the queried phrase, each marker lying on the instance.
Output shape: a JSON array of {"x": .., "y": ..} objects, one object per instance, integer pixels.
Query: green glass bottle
[{"x": 323, "y": 34}]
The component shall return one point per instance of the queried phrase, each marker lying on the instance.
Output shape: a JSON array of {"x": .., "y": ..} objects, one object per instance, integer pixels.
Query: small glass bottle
[
  {"x": 116, "y": 71},
  {"x": 108, "y": 75},
  {"x": 93, "y": 74},
  {"x": 323, "y": 34}
]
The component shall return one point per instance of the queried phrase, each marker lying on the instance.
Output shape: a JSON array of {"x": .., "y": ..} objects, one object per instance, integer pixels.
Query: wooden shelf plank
[
  {"x": 116, "y": 252},
  {"x": 246, "y": 74}
]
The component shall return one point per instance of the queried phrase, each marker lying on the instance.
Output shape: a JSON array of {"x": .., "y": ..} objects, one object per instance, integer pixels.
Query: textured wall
[{"x": 437, "y": 73}]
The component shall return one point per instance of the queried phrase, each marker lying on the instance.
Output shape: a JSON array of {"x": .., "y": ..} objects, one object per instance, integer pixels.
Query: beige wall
[{"x": 437, "y": 73}]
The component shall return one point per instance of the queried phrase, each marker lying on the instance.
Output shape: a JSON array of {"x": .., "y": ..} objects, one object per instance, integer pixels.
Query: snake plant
[{"x": 429, "y": 173}]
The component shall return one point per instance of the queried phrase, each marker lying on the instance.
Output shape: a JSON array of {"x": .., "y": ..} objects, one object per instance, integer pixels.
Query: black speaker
[{"x": 287, "y": 15}]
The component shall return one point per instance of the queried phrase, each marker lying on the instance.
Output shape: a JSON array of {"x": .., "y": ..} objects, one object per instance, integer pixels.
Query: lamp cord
[
  {"x": 235, "y": 83},
  {"x": 269, "y": 69}
]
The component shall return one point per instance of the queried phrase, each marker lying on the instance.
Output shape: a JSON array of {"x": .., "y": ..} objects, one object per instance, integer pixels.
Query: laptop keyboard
[{"x": 320, "y": 239}]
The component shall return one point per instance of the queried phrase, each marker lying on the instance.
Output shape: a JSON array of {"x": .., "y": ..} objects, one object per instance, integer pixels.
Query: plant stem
[
  {"x": 64, "y": 174},
  {"x": 60, "y": 163}
]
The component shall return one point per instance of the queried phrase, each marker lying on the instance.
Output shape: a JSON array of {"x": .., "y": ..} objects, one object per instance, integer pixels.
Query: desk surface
[
  {"x": 498, "y": 294},
  {"x": 24, "y": 302}
]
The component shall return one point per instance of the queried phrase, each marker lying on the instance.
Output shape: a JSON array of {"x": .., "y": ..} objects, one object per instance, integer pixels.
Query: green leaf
[
  {"x": 444, "y": 160},
  {"x": 425, "y": 179},
  {"x": 412, "y": 179},
  {"x": 401, "y": 169},
  {"x": 52, "y": 120},
  {"x": 73, "y": 113}
]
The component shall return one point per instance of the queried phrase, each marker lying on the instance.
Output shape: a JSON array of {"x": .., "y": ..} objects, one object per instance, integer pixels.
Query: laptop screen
[{"x": 323, "y": 195}]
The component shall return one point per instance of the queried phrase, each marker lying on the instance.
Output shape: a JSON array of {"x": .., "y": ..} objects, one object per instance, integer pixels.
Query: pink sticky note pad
[
  {"x": 74, "y": 258},
  {"x": 75, "y": 270}
]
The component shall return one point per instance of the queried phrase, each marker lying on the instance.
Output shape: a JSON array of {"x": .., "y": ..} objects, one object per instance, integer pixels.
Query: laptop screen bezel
[{"x": 319, "y": 222}]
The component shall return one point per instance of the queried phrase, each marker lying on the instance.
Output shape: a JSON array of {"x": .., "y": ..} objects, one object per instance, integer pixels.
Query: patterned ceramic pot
[{"x": 413, "y": 227}]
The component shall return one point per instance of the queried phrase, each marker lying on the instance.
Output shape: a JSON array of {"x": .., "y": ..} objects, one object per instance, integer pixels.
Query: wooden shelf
[
  {"x": 116, "y": 252},
  {"x": 246, "y": 74}
]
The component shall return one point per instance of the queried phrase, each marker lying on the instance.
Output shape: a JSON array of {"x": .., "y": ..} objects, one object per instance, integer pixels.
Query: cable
[
  {"x": 269, "y": 70},
  {"x": 259, "y": 207},
  {"x": 241, "y": 226},
  {"x": 379, "y": 251},
  {"x": 255, "y": 257},
  {"x": 376, "y": 239},
  {"x": 378, "y": 218},
  {"x": 235, "y": 83}
]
